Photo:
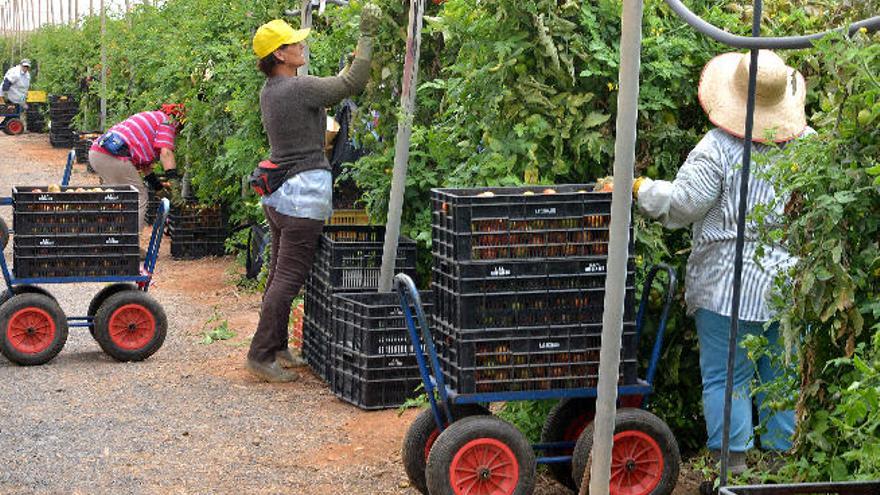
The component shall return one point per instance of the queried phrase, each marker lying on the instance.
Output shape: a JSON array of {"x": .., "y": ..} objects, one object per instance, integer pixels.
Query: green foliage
[
  {"x": 219, "y": 329},
  {"x": 528, "y": 416},
  {"x": 828, "y": 302}
]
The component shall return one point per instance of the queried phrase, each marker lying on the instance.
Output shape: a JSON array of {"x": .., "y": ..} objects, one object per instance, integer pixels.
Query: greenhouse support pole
[
  {"x": 103, "y": 67},
  {"x": 401, "y": 151},
  {"x": 618, "y": 251},
  {"x": 740, "y": 243},
  {"x": 305, "y": 22}
]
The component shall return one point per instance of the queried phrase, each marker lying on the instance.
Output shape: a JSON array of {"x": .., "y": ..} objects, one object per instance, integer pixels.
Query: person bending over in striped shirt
[
  {"x": 705, "y": 195},
  {"x": 130, "y": 148}
]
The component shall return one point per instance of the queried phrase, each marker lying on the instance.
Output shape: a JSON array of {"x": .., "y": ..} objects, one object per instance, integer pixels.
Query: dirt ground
[{"x": 190, "y": 419}]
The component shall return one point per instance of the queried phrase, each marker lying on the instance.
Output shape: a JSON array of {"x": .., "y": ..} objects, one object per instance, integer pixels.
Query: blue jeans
[{"x": 713, "y": 330}]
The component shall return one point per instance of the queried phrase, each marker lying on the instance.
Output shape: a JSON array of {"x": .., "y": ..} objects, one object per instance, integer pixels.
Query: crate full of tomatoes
[
  {"x": 74, "y": 231},
  {"x": 518, "y": 280},
  {"x": 520, "y": 222}
]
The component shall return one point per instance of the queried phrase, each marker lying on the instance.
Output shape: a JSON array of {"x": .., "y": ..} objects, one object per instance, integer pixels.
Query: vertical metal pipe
[
  {"x": 401, "y": 151},
  {"x": 618, "y": 248},
  {"x": 305, "y": 22},
  {"x": 103, "y": 67},
  {"x": 740, "y": 243}
]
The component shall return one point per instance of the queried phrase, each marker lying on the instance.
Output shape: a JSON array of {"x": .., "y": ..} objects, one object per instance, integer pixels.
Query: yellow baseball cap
[{"x": 275, "y": 33}]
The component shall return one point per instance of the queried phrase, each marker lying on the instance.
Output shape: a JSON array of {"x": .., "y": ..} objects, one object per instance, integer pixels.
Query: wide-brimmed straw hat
[{"x": 779, "y": 99}]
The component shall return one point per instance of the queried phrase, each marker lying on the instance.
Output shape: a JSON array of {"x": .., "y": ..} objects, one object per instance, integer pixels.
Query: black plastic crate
[
  {"x": 83, "y": 145},
  {"x": 194, "y": 216},
  {"x": 189, "y": 250},
  {"x": 478, "y": 277},
  {"x": 526, "y": 310},
  {"x": 553, "y": 357},
  {"x": 374, "y": 382},
  {"x": 152, "y": 207},
  {"x": 373, "y": 323},
  {"x": 350, "y": 257},
  {"x": 318, "y": 326},
  {"x": 75, "y": 255},
  {"x": 520, "y": 222},
  {"x": 112, "y": 210},
  {"x": 316, "y": 348},
  {"x": 822, "y": 488}
]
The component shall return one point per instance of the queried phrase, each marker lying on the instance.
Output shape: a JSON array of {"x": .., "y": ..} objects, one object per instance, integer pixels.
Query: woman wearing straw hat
[
  {"x": 705, "y": 194},
  {"x": 294, "y": 117}
]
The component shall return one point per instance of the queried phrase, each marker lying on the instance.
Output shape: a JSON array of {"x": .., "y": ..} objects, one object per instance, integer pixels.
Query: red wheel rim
[
  {"x": 484, "y": 466},
  {"x": 31, "y": 330},
  {"x": 15, "y": 126},
  {"x": 132, "y": 327},
  {"x": 636, "y": 463},
  {"x": 430, "y": 442}
]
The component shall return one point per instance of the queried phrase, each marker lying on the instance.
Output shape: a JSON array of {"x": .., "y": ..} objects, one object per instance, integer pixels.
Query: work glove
[
  {"x": 153, "y": 182},
  {"x": 371, "y": 16}
]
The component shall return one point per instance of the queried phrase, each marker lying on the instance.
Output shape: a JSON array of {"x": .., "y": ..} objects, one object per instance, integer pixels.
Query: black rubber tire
[
  {"x": 13, "y": 127},
  {"x": 25, "y": 289},
  {"x": 422, "y": 429},
  {"x": 144, "y": 308},
  {"x": 102, "y": 296},
  {"x": 4, "y": 234},
  {"x": 45, "y": 307},
  {"x": 637, "y": 420},
  {"x": 476, "y": 428},
  {"x": 562, "y": 423}
]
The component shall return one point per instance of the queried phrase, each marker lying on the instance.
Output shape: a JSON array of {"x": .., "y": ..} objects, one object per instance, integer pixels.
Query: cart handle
[
  {"x": 671, "y": 284},
  {"x": 156, "y": 238},
  {"x": 65, "y": 179},
  {"x": 409, "y": 297}
]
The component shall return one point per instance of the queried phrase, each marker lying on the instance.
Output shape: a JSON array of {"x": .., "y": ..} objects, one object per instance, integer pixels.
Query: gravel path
[{"x": 189, "y": 419}]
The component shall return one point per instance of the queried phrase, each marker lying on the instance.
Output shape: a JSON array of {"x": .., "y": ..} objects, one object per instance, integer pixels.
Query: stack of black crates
[
  {"x": 518, "y": 280},
  {"x": 36, "y": 117},
  {"x": 75, "y": 232},
  {"x": 83, "y": 144},
  {"x": 62, "y": 110},
  {"x": 152, "y": 207},
  {"x": 197, "y": 231},
  {"x": 353, "y": 336}
]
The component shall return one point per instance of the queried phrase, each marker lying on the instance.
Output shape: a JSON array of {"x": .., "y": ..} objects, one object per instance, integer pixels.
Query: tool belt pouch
[
  {"x": 113, "y": 144},
  {"x": 268, "y": 177}
]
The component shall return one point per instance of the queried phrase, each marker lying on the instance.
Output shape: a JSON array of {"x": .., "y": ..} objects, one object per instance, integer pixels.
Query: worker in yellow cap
[{"x": 296, "y": 182}]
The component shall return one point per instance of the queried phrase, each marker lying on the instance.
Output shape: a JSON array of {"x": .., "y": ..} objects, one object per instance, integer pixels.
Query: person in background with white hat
[
  {"x": 705, "y": 195},
  {"x": 294, "y": 117},
  {"x": 16, "y": 83}
]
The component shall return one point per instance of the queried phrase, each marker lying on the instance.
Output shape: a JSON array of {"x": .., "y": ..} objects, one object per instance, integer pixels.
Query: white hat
[
  {"x": 25, "y": 62},
  {"x": 779, "y": 98}
]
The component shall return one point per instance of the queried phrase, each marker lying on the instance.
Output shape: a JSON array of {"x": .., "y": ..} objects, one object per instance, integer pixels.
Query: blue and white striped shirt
[{"x": 705, "y": 194}]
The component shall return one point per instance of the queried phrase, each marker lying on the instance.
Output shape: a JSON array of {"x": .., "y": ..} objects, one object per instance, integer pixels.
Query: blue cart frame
[
  {"x": 442, "y": 397},
  {"x": 10, "y": 122},
  {"x": 142, "y": 280}
]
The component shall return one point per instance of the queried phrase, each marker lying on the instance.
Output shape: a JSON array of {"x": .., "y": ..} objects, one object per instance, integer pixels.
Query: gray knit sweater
[{"x": 294, "y": 111}]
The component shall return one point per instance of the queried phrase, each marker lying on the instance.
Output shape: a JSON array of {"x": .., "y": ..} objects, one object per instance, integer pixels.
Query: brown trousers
[
  {"x": 294, "y": 243},
  {"x": 114, "y": 171}
]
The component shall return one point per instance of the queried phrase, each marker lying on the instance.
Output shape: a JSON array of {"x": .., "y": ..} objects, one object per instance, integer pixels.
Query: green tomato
[{"x": 865, "y": 117}]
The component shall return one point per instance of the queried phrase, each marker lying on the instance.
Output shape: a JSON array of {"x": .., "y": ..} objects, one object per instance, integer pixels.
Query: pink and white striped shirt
[{"x": 145, "y": 134}]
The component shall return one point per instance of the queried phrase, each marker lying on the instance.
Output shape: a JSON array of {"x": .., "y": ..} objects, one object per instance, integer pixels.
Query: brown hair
[{"x": 268, "y": 63}]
